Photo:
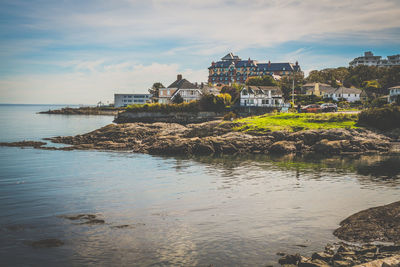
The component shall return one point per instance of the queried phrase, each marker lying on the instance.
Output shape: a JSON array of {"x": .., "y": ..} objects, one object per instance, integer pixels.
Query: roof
[
  {"x": 262, "y": 90},
  {"x": 230, "y": 56},
  {"x": 183, "y": 83},
  {"x": 313, "y": 84},
  {"x": 275, "y": 66},
  {"x": 286, "y": 66},
  {"x": 346, "y": 90},
  {"x": 179, "y": 90},
  {"x": 395, "y": 87}
]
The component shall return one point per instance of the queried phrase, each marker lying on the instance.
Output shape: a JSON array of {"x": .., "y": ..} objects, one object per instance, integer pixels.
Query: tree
[
  {"x": 286, "y": 84},
  {"x": 266, "y": 80},
  {"x": 177, "y": 99},
  {"x": 154, "y": 90},
  {"x": 233, "y": 91}
]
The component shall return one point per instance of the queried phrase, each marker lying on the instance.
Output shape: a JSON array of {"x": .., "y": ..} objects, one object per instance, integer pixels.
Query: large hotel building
[{"x": 232, "y": 69}]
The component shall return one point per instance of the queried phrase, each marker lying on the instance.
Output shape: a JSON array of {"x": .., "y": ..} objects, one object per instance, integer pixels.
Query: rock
[
  {"x": 342, "y": 263},
  {"x": 34, "y": 144},
  {"x": 386, "y": 262},
  {"x": 289, "y": 259},
  {"x": 321, "y": 256},
  {"x": 282, "y": 147},
  {"x": 329, "y": 147},
  {"x": 374, "y": 224},
  {"x": 47, "y": 243}
]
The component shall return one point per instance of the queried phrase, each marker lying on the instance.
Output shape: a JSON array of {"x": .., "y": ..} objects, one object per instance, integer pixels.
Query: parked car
[
  {"x": 313, "y": 108},
  {"x": 329, "y": 107}
]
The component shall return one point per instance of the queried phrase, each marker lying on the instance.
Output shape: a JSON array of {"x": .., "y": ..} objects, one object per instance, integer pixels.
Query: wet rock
[
  {"x": 374, "y": 224},
  {"x": 321, "y": 256},
  {"x": 393, "y": 261},
  {"x": 289, "y": 259},
  {"x": 47, "y": 243},
  {"x": 90, "y": 219},
  {"x": 34, "y": 144},
  {"x": 342, "y": 263},
  {"x": 93, "y": 221}
]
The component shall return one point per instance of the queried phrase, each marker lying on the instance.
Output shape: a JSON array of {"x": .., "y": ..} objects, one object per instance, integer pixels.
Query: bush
[
  {"x": 192, "y": 107},
  {"x": 230, "y": 116},
  {"x": 385, "y": 118}
]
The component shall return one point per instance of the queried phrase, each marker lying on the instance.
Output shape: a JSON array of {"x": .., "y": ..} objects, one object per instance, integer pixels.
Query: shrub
[
  {"x": 384, "y": 118},
  {"x": 230, "y": 116}
]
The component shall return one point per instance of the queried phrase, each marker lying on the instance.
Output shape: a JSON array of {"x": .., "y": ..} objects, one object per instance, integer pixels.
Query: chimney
[
  {"x": 269, "y": 64},
  {"x": 297, "y": 63},
  {"x": 179, "y": 77},
  {"x": 212, "y": 63}
]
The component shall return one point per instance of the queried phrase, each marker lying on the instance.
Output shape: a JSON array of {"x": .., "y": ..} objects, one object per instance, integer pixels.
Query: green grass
[{"x": 296, "y": 122}]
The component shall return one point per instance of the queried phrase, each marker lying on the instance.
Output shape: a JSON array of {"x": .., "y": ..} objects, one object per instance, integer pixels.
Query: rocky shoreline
[
  {"x": 83, "y": 111},
  {"x": 217, "y": 137}
]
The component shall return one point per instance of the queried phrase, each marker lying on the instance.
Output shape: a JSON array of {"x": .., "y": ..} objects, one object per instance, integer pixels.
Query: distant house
[
  {"x": 318, "y": 89},
  {"x": 370, "y": 60},
  {"x": 349, "y": 94},
  {"x": 123, "y": 100},
  {"x": 186, "y": 89},
  {"x": 261, "y": 96},
  {"x": 394, "y": 93}
]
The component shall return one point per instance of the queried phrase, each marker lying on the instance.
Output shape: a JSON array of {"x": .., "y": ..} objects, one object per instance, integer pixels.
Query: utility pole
[{"x": 293, "y": 89}]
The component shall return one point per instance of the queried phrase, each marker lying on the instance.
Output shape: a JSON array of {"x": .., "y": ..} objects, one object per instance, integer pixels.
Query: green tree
[
  {"x": 233, "y": 91},
  {"x": 286, "y": 84},
  {"x": 154, "y": 90},
  {"x": 177, "y": 99},
  {"x": 266, "y": 80}
]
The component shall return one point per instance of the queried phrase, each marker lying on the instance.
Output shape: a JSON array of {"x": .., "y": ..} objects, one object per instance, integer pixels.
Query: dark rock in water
[
  {"x": 94, "y": 221},
  {"x": 374, "y": 224},
  {"x": 47, "y": 243},
  {"x": 84, "y": 218},
  {"x": 34, "y": 144},
  {"x": 289, "y": 259}
]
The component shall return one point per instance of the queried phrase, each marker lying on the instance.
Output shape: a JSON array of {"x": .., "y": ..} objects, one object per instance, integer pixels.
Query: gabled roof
[
  {"x": 230, "y": 56},
  {"x": 183, "y": 83},
  {"x": 345, "y": 90},
  {"x": 179, "y": 90},
  {"x": 259, "y": 90},
  {"x": 394, "y": 87}
]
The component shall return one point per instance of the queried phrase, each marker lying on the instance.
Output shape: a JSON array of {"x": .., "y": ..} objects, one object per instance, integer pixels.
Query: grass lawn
[{"x": 296, "y": 122}]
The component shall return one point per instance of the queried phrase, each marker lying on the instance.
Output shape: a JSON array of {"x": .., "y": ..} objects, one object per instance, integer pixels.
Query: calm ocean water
[{"x": 225, "y": 211}]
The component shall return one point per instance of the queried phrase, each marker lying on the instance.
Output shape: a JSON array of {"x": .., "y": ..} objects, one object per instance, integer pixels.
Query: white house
[
  {"x": 394, "y": 92},
  {"x": 123, "y": 100},
  {"x": 186, "y": 89},
  {"x": 370, "y": 60},
  {"x": 350, "y": 94},
  {"x": 261, "y": 96}
]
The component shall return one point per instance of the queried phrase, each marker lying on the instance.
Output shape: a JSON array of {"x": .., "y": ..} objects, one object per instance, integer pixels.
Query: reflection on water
[{"x": 230, "y": 210}]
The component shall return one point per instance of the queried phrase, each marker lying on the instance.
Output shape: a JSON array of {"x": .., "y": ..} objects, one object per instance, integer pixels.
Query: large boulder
[
  {"x": 374, "y": 224},
  {"x": 283, "y": 147}
]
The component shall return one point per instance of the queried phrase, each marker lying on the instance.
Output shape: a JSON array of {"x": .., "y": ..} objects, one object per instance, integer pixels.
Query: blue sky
[{"x": 81, "y": 52}]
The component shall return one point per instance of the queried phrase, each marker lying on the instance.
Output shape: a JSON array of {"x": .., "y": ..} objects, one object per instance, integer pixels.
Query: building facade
[
  {"x": 349, "y": 94},
  {"x": 370, "y": 60},
  {"x": 123, "y": 100},
  {"x": 187, "y": 90},
  {"x": 232, "y": 69},
  {"x": 318, "y": 89},
  {"x": 261, "y": 96},
  {"x": 394, "y": 93}
]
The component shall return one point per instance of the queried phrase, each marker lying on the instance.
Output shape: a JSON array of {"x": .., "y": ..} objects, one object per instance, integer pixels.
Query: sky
[{"x": 82, "y": 52}]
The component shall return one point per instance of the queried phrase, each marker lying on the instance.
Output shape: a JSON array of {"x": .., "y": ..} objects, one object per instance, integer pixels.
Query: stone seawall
[{"x": 172, "y": 117}]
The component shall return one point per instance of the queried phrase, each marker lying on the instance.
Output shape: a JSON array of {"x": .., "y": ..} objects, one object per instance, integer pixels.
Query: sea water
[{"x": 171, "y": 211}]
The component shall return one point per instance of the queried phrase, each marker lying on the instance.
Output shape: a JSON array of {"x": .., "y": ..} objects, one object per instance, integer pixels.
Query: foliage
[
  {"x": 154, "y": 90},
  {"x": 234, "y": 91},
  {"x": 371, "y": 78},
  {"x": 286, "y": 84},
  {"x": 307, "y": 99},
  {"x": 266, "y": 80},
  {"x": 384, "y": 118},
  {"x": 378, "y": 103},
  {"x": 296, "y": 121},
  {"x": 227, "y": 99},
  {"x": 229, "y": 116},
  {"x": 210, "y": 102},
  {"x": 177, "y": 99},
  {"x": 192, "y": 107}
]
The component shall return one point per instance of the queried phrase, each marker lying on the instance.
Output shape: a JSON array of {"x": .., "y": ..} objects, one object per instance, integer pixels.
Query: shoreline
[
  {"x": 219, "y": 137},
  {"x": 83, "y": 111}
]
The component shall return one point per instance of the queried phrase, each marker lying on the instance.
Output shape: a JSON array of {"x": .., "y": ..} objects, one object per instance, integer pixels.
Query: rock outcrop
[
  {"x": 217, "y": 137},
  {"x": 374, "y": 224}
]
